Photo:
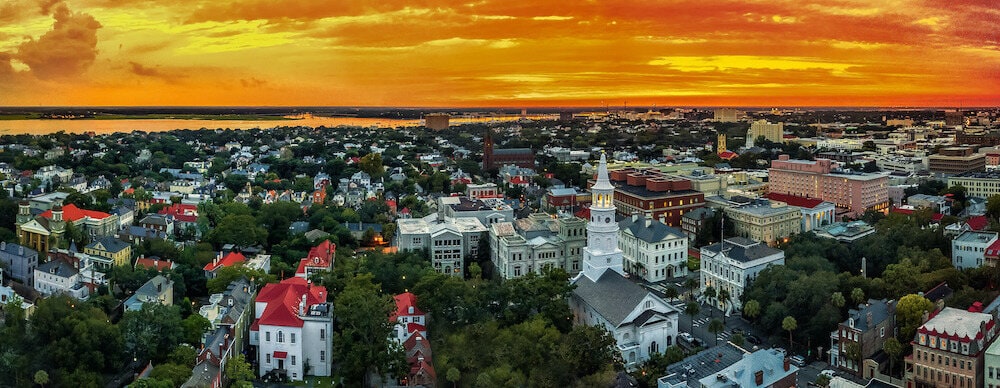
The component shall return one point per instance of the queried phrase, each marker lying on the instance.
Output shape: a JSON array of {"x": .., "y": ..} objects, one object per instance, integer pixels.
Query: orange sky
[{"x": 500, "y": 53}]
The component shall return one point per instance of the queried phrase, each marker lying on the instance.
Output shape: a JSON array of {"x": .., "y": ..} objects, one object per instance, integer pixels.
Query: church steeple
[{"x": 602, "y": 252}]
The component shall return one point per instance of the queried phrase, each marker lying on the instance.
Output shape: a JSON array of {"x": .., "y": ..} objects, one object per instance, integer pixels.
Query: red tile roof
[
  {"x": 182, "y": 212},
  {"x": 229, "y": 260},
  {"x": 978, "y": 222},
  {"x": 994, "y": 249},
  {"x": 793, "y": 200},
  {"x": 72, "y": 213},
  {"x": 518, "y": 180},
  {"x": 403, "y": 303},
  {"x": 156, "y": 264},
  {"x": 320, "y": 256},
  {"x": 283, "y": 300},
  {"x": 728, "y": 155}
]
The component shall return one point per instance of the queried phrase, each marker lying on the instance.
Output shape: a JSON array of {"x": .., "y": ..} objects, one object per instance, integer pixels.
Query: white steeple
[{"x": 602, "y": 252}]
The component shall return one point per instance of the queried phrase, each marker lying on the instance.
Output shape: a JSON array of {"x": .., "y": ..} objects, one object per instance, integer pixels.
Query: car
[
  {"x": 828, "y": 373},
  {"x": 753, "y": 339},
  {"x": 687, "y": 337},
  {"x": 799, "y": 361},
  {"x": 738, "y": 331}
]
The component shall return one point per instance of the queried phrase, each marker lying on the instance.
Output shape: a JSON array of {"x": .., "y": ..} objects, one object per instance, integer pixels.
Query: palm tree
[
  {"x": 751, "y": 310},
  {"x": 691, "y": 284},
  {"x": 671, "y": 293},
  {"x": 716, "y": 326},
  {"x": 789, "y": 324},
  {"x": 691, "y": 310},
  {"x": 724, "y": 298},
  {"x": 709, "y": 295}
]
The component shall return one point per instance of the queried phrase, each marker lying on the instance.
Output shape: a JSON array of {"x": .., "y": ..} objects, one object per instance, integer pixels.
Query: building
[
  {"x": 956, "y": 160},
  {"x": 535, "y": 242},
  {"x": 733, "y": 265},
  {"x": 565, "y": 199},
  {"x": 958, "y": 336},
  {"x": 480, "y": 191},
  {"x": 154, "y": 263},
  {"x": 727, "y": 115},
  {"x": 110, "y": 251},
  {"x": 409, "y": 319},
  {"x": 19, "y": 263},
  {"x": 90, "y": 222},
  {"x": 487, "y": 210},
  {"x": 991, "y": 366},
  {"x": 230, "y": 314},
  {"x": 694, "y": 221},
  {"x": 159, "y": 289},
  {"x": 968, "y": 250},
  {"x": 937, "y": 203},
  {"x": 449, "y": 240},
  {"x": 852, "y": 193},
  {"x": 293, "y": 326},
  {"x": 495, "y": 158},
  {"x": 320, "y": 258},
  {"x": 977, "y": 184},
  {"x": 231, "y": 259},
  {"x": 727, "y": 365},
  {"x": 650, "y": 191},
  {"x": 158, "y": 222},
  {"x": 641, "y": 322},
  {"x": 40, "y": 233},
  {"x": 816, "y": 213},
  {"x": 845, "y": 232},
  {"x": 437, "y": 121},
  {"x": 866, "y": 328},
  {"x": 761, "y": 128},
  {"x": 764, "y": 220},
  {"x": 62, "y": 277},
  {"x": 652, "y": 251}
]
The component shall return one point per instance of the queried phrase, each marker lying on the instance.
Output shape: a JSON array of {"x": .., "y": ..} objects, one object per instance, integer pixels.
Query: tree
[
  {"x": 453, "y": 375},
  {"x": 993, "y": 207},
  {"x": 857, "y": 296},
  {"x": 363, "y": 340},
  {"x": 790, "y": 325},
  {"x": 176, "y": 374},
  {"x": 691, "y": 310},
  {"x": 738, "y": 339},
  {"x": 709, "y": 295},
  {"x": 852, "y": 351},
  {"x": 195, "y": 326},
  {"x": 372, "y": 164},
  {"x": 716, "y": 326},
  {"x": 152, "y": 332},
  {"x": 893, "y": 349},
  {"x": 41, "y": 377},
  {"x": 671, "y": 293},
  {"x": 838, "y": 299},
  {"x": 238, "y": 370},
  {"x": 691, "y": 284},
  {"x": 241, "y": 230},
  {"x": 909, "y": 314},
  {"x": 724, "y": 299}
]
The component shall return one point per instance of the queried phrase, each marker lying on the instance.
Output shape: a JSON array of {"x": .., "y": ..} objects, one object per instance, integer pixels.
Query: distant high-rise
[
  {"x": 436, "y": 121},
  {"x": 771, "y": 132},
  {"x": 727, "y": 115},
  {"x": 721, "y": 147},
  {"x": 954, "y": 117}
]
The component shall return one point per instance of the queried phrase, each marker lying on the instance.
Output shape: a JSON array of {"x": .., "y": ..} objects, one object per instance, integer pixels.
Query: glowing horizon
[{"x": 485, "y": 53}]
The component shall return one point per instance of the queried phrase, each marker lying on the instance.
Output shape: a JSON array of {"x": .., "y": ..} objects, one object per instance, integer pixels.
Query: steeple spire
[{"x": 602, "y": 252}]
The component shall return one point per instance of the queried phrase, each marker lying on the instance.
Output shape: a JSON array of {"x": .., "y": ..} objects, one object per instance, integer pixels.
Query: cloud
[
  {"x": 65, "y": 51},
  {"x": 154, "y": 72},
  {"x": 252, "y": 82}
]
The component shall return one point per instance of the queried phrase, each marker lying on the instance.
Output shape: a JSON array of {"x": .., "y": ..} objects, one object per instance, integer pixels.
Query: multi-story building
[
  {"x": 19, "y": 262},
  {"x": 977, "y": 184},
  {"x": 895, "y": 163},
  {"x": 769, "y": 131},
  {"x": 436, "y": 121},
  {"x": 641, "y": 322},
  {"x": 487, "y": 210},
  {"x": 727, "y": 366},
  {"x": 937, "y": 203},
  {"x": 449, "y": 240},
  {"x": 852, "y": 193},
  {"x": 230, "y": 259},
  {"x": 815, "y": 212},
  {"x": 91, "y": 222},
  {"x": 733, "y": 264},
  {"x": 485, "y": 190},
  {"x": 693, "y": 221},
  {"x": 66, "y": 274},
  {"x": 727, "y": 115},
  {"x": 320, "y": 258},
  {"x": 865, "y": 330},
  {"x": 949, "y": 349},
  {"x": 408, "y": 318},
  {"x": 538, "y": 241},
  {"x": 159, "y": 289},
  {"x": 968, "y": 250},
  {"x": 293, "y": 326},
  {"x": 495, "y": 158},
  {"x": 763, "y": 220},
  {"x": 956, "y": 160},
  {"x": 991, "y": 366},
  {"x": 110, "y": 251},
  {"x": 652, "y": 251},
  {"x": 40, "y": 233},
  {"x": 650, "y": 191}
]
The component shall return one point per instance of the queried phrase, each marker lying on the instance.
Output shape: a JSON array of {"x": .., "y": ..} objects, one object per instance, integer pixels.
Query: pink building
[{"x": 853, "y": 193}]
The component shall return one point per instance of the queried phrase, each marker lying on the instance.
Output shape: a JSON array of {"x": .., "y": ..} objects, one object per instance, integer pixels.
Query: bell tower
[{"x": 602, "y": 252}]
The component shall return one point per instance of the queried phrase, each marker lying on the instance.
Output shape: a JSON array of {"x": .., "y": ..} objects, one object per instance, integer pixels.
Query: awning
[{"x": 280, "y": 354}]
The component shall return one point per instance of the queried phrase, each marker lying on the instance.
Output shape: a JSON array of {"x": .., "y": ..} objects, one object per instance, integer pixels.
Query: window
[
  {"x": 293, "y": 338},
  {"x": 268, "y": 358},
  {"x": 322, "y": 355},
  {"x": 322, "y": 333},
  {"x": 293, "y": 360},
  {"x": 281, "y": 336},
  {"x": 267, "y": 336}
]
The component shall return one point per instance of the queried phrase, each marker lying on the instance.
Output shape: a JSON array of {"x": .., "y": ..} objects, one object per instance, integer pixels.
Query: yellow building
[
  {"x": 110, "y": 251},
  {"x": 40, "y": 233},
  {"x": 766, "y": 221}
]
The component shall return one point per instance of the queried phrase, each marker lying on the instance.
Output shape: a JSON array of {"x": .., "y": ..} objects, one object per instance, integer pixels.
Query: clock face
[{"x": 607, "y": 220}]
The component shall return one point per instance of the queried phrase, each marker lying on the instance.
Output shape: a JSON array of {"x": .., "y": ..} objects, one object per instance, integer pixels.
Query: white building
[
  {"x": 991, "y": 366},
  {"x": 409, "y": 319},
  {"x": 652, "y": 250},
  {"x": 60, "y": 277},
  {"x": 293, "y": 326},
  {"x": 733, "y": 264},
  {"x": 641, "y": 322},
  {"x": 487, "y": 210},
  {"x": 769, "y": 131},
  {"x": 449, "y": 240},
  {"x": 538, "y": 241},
  {"x": 968, "y": 250}
]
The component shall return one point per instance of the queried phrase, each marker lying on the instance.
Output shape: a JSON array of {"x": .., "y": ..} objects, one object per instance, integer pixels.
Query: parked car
[
  {"x": 687, "y": 337},
  {"x": 828, "y": 373},
  {"x": 753, "y": 339},
  {"x": 798, "y": 361}
]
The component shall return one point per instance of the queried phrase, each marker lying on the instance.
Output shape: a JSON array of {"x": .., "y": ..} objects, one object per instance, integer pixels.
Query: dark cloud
[
  {"x": 154, "y": 72},
  {"x": 66, "y": 50}
]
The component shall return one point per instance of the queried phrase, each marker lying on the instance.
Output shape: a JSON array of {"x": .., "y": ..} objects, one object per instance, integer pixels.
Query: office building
[
  {"x": 652, "y": 251},
  {"x": 761, "y": 128},
  {"x": 956, "y": 160},
  {"x": 764, "y": 220},
  {"x": 977, "y": 184},
  {"x": 650, "y": 191},
  {"x": 436, "y": 121},
  {"x": 852, "y": 193},
  {"x": 733, "y": 265}
]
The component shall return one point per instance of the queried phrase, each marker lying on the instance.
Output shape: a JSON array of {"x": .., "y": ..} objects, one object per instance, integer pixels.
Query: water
[{"x": 40, "y": 127}]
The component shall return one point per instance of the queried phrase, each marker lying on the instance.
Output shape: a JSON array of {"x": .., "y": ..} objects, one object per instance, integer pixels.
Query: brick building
[
  {"x": 852, "y": 193},
  {"x": 654, "y": 193}
]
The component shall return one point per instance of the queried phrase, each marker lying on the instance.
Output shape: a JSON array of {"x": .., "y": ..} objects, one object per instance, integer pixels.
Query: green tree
[
  {"x": 724, "y": 299},
  {"x": 738, "y": 339},
  {"x": 691, "y": 284},
  {"x": 692, "y": 309},
  {"x": 176, "y": 374},
  {"x": 671, "y": 293},
  {"x": 893, "y": 349},
  {"x": 751, "y": 310},
  {"x": 241, "y": 230},
  {"x": 195, "y": 326},
  {"x": 716, "y": 326},
  {"x": 993, "y": 207},
  {"x": 363, "y": 341},
  {"x": 710, "y": 295},
  {"x": 453, "y": 375},
  {"x": 909, "y": 314},
  {"x": 838, "y": 299},
  {"x": 852, "y": 351},
  {"x": 152, "y": 332},
  {"x": 857, "y": 296},
  {"x": 372, "y": 164},
  {"x": 41, "y": 377},
  {"x": 789, "y": 324},
  {"x": 238, "y": 370},
  {"x": 183, "y": 355}
]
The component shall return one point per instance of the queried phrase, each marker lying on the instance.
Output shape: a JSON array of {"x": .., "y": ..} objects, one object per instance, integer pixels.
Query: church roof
[{"x": 612, "y": 296}]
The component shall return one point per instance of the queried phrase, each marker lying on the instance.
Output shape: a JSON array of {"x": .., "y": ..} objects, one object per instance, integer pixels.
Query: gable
[
  {"x": 650, "y": 302},
  {"x": 34, "y": 226}
]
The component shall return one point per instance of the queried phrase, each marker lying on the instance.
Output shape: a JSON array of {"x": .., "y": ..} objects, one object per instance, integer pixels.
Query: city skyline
[{"x": 487, "y": 53}]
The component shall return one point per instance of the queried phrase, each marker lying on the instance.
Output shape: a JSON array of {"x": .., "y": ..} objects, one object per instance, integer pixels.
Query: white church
[{"x": 641, "y": 322}]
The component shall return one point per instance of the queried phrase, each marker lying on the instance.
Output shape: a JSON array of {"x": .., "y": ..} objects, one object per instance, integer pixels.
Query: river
[{"x": 39, "y": 127}]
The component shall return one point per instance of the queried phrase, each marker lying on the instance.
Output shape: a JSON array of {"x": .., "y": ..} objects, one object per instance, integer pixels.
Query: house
[
  {"x": 159, "y": 222},
  {"x": 653, "y": 251},
  {"x": 959, "y": 336},
  {"x": 420, "y": 359},
  {"x": 694, "y": 221},
  {"x": 154, "y": 262},
  {"x": 229, "y": 260},
  {"x": 968, "y": 250},
  {"x": 293, "y": 326},
  {"x": 641, "y": 322},
  {"x": 113, "y": 251},
  {"x": 159, "y": 289},
  {"x": 733, "y": 264},
  {"x": 230, "y": 314},
  {"x": 865, "y": 329},
  {"x": 320, "y": 258},
  {"x": 137, "y": 234},
  {"x": 61, "y": 277},
  {"x": 19, "y": 262},
  {"x": 408, "y": 317}
]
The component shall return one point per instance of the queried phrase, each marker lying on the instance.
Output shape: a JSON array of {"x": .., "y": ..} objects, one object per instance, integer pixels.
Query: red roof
[
  {"x": 519, "y": 180},
  {"x": 229, "y": 260},
  {"x": 728, "y": 155},
  {"x": 283, "y": 300},
  {"x": 415, "y": 328},
  {"x": 72, "y": 213},
  {"x": 320, "y": 256},
  {"x": 994, "y": 249},
  {"x": 978, "y": 222},
  {"x": 583, "y": 213},
  {"x": 156, "y": 264},
  {"x": 182, "y": 212},
  {"x": 278, "y": 354},
  {"x": 793, "y": 200},
  {"x": 403, "y": 303}
]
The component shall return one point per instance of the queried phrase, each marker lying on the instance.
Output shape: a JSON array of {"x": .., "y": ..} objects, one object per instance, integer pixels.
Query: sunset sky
[{"x": 500, "y": 53}]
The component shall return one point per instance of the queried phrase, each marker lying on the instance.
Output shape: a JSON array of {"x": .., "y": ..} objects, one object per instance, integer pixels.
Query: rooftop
[
  {"x": 654, "y": 232},
  {"x": 972, "y": 236},
  {"x": 880, "y": 310},
  {"x": 612, "y": 296},
  {"x": 743, "y": 249},
  {"x": 708, "y": 362},
  {"x": 958, "y": 324}
]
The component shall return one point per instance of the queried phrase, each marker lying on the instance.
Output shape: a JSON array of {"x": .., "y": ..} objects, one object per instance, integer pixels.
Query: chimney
[
  {"x": 869, "y": 317},
  {"x": 787, "y": 364},
  {"x": 758, "y": 376},
  {"x": 302, "y": 305}
]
